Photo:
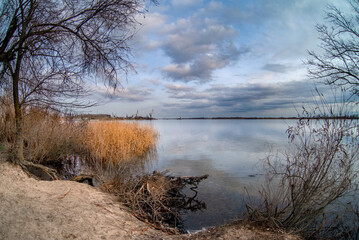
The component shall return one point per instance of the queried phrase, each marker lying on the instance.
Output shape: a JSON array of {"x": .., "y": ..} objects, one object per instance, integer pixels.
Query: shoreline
[
  {"x": 60, "y": 209},
  {"x": 109, "y": 118}
]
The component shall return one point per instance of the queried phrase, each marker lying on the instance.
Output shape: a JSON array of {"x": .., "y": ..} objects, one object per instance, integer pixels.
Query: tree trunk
[
  {"x": 19, "y": 141},
  {"x": 18, "y": 149}
]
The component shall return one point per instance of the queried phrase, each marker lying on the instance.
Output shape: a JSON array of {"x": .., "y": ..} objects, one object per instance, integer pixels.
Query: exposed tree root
[{"x": 39, "y": 171}]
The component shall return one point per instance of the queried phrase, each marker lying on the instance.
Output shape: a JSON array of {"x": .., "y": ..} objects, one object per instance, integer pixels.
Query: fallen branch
[
  {"x": 61, "y": 197},
  {"x": 102, "y": 206}
]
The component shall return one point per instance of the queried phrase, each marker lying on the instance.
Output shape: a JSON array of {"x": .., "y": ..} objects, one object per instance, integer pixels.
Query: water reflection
[{"x": 228, "y": 150}]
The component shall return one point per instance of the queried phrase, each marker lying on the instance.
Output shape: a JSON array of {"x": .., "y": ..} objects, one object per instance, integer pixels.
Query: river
[{"x": 230, "y": 151}]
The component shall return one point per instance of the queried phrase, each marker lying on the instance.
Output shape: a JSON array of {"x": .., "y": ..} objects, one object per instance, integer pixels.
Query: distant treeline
[
  {"x": 137, "y": 117},
  {"x": 111, "y": 117},
  {"x": 263, "y": 118}
]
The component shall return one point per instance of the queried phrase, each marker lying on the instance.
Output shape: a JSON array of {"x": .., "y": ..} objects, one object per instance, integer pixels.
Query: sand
[{"x": 33, "y": 209}]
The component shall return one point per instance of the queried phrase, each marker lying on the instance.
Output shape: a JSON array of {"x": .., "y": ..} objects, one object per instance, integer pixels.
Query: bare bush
[{"x": 319, "y": 169}]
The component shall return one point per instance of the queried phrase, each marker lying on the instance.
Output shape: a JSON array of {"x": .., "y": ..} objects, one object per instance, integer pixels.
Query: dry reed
[
  {"x": 51, "y": 137},
  {"x": 7, "y": 119},
  {"x": 118, "y": 142},
  {"x": 48, "y": 137}
]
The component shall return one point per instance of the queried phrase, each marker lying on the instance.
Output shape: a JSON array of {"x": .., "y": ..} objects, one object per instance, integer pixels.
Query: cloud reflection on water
[{"x": 228, "y": 150}]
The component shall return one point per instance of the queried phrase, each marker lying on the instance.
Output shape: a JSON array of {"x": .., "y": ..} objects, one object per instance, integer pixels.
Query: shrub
[{"x": 319, "y": 169}]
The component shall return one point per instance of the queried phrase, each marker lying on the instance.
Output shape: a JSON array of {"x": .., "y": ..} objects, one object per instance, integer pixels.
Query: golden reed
[{"x": 117, "y": 142}]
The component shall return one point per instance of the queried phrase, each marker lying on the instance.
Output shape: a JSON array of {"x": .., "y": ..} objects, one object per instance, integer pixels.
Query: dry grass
[
  {"x": 47, "y": 136},
  {"x": 7, "y": 120},
  {"x": 118, "y": 142},
  {"x": 50, "y": 137}
]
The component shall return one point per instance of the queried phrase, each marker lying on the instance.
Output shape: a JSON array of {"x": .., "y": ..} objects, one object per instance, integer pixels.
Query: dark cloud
[
  {"x": 200, "y": 69},
  {"x": 190, "y": 106},
  {"x": 249, "y": 99},
  {"x": 275, "y": 67}
]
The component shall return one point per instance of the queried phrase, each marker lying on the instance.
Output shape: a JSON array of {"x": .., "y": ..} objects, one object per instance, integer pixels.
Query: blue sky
[{"x": 199, "y": 58}]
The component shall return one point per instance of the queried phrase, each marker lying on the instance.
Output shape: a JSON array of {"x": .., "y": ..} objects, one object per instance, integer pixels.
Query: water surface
[{"x": 228, "y": 150}]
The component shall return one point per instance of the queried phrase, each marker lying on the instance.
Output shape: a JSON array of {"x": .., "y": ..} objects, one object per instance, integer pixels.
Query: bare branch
[{"x": 338, "y": 64}]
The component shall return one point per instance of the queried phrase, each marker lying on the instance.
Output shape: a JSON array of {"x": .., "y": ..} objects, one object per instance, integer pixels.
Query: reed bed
[
  {"x": 113, "y": 142},
  {"x": 7, "y": 120},
  {"x": 49, "y": 137}
]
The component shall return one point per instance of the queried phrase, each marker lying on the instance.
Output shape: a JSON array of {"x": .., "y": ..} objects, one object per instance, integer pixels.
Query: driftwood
[
  {"x": 155, "y": 198},
  {"x": 159, "y": 198}
]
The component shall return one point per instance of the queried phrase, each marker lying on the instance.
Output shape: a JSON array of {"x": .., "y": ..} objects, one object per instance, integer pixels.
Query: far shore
[{"x": 141, "y": 118}]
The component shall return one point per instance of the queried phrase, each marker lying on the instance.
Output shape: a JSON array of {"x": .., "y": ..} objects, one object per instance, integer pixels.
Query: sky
[{"x": 199, "y": 58}]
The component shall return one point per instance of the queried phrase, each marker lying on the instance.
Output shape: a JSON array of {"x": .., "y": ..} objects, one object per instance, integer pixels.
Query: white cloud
[
  {"x": 130, "y": 94},
  {"x": 174, "y": 88}
]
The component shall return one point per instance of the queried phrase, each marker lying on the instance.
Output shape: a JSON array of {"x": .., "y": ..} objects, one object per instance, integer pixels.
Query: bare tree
[
  {"x": 338, "y": 64},
  {"x": 49, "y": 47}
]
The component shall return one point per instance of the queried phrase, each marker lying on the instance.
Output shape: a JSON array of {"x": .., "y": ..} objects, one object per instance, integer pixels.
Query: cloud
[
  {"x": 151, "y": 82},
  {"x": 244, "y": 100},
  {"x": 192, "y": 37},
  {"x": 233, "y": 14},
  {"x": 150, "y": 24},
  {"x": 201, "y": 69},
  {"x": 186, "y": 3},
  {"x": 274, "y": 67},
  {"x": 130, "y": 94},
  {"x": 273, "y": 26},
  {"x": 178, "y": 91},
  {"x": 175, "y": 88},
  {"x": 197, "y": 47}
]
